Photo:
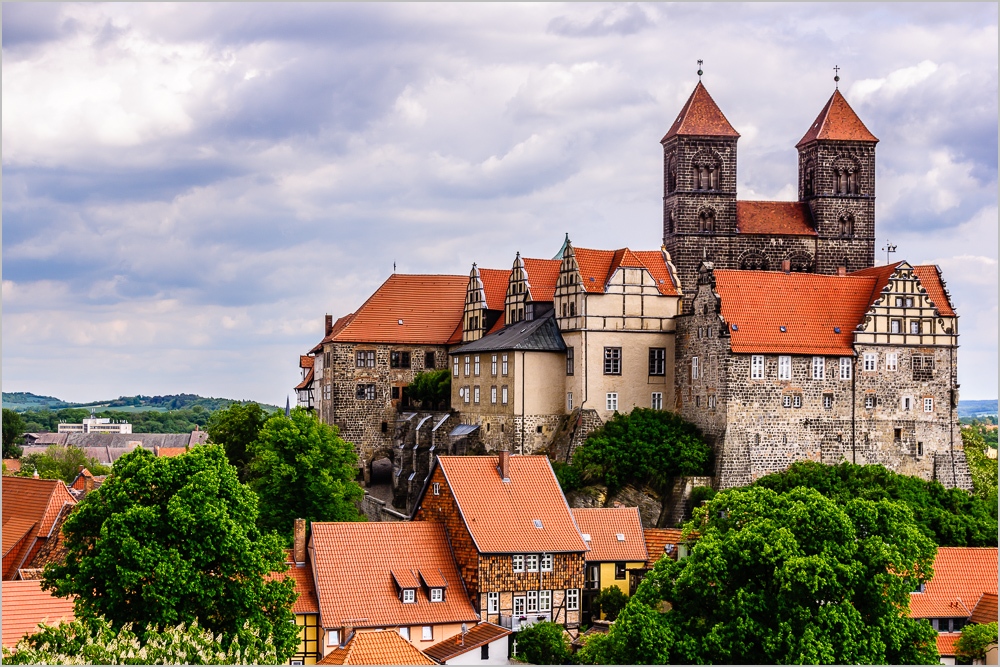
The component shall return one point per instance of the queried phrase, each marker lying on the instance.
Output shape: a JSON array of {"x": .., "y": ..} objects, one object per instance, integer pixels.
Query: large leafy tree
[
  {"x": 950, "y": 517},
  {"x": 982, "y": 467},
  {"x": 235, "y": 428},
  {"x": 643, "y": 446},
  {"x": 61, "y": 462},
  {"x": 173, "y": 540},
  {"x": 975, "y": 640},
  {"x": 783, "y": 578},
  {"x": 302, "y": 469},
  {"x": 13, "y": 430}
]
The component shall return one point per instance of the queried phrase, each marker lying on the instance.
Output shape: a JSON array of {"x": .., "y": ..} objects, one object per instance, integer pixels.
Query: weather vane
[
  {"x": 836, "y": 76},
  {"x": 889, "y": 248},
  {"x": 700, "y": 62}
]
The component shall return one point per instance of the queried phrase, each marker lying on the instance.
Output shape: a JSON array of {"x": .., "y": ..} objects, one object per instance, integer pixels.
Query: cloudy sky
[{"x": 188, "y": 189}]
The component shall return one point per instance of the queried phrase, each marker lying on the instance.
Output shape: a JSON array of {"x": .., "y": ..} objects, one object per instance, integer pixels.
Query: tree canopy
[
  {"x": 235, "y": 428},
  {"x": 543, "y": 644},
  {"x": 644, "y": 446},
  {"x": 302, "y": 469},
  {"x": 61, "y": 462},
  {"x": 172, "y": 540},
  {"x": 431, "y": 388},
  {"x": 13, "y": 431},
  {"x": 975, "y": 438},
  {"x": 975, "y": 640},
  {"x": 778, "y": 578},
  {"x": 950, "y": 517}
]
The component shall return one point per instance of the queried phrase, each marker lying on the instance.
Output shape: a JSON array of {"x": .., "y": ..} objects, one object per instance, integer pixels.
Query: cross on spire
[
  {"x": 700, "y": 62},
  {"x": 836, "y": 76}
]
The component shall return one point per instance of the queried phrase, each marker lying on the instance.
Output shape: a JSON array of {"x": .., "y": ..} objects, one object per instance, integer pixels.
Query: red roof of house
[
  {"x": 429, "y": 307},
  {"x": 790, "y": 218},
  {"x": 597, "y": 267},
  {"x": 961, "y": 576},
  {"x": 171, "y": 451},
  {"x": 32, "y": 503},
  {"x": 837, "y": 122},
  {"x": 542, "y": 277},
  {"x": 501, "y": 516},
  {"x": 306, "y": 361},
  {"x": 306, "y": 381},
  {"x": 946, "y": 643},
  {"x": 13, "y": 465},
  {"x": 495, "y": 283},
  {"x": 657, "y": 540},
  {"x": 603, "y": 525},
  {"x": 928, "y": 275},
  {"x": 354, "y": 562},
  {"x": 376, "y": 647},
  {"x": 809, "y": 306},
  {"x": 304, "y": 585},
  {"x": 985, "y": 610},
  {"x": 25, "y": 605},
  {"x": 480, "y": 635},
  {"x": 701, "y": 116}
]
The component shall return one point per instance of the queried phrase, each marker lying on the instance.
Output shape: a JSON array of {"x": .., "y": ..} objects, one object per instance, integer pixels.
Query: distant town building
[{"x": 96, "y": 425}]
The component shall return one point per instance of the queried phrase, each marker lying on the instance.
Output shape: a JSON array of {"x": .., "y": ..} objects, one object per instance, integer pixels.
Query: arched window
[
  {"x": 671, "y": 170},
  {"x": 846, "y": 225},
  {"x": 808, "y": 176},
  {"x": 754, "y": 261},
  {"x": 845, "y": 177},
  {"x": 705, "y": 171},
  {"x": 800, "y": 262},
  {"x": 706, "y": 221}
]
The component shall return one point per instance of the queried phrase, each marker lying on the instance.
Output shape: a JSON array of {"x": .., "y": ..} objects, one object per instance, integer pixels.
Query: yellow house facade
[{"x": 616, "y": 555}]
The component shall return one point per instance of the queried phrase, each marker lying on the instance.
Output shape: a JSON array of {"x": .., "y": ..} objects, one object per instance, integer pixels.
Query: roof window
[
  {"x": 783, "y": 329},
  {"x": 836, "y": 330},
  {"x": 400, "y": 322},
  {"x": 735, "y": 328},
  {"x": 620, "y": 536},
  {"x": 538, "y": 523},
  {"x": 586, "y": 537}
]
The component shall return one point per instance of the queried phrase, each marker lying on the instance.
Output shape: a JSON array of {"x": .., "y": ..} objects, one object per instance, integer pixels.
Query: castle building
[{"x": 764, "y": 323}]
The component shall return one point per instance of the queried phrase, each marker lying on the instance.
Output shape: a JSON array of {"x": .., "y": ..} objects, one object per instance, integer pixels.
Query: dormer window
[
  {"x": 437, "y": 595},
  {"x": 409, "y": 595}
]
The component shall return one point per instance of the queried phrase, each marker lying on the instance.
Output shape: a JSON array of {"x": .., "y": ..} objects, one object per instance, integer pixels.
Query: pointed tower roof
[
  {"x": 701, "y": 116},
  {"x": 837, "y": 122}
]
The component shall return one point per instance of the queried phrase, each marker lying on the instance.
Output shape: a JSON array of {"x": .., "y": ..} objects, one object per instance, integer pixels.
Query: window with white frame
[
  {"x": 503, "y": 365},
  {"x": 657, "y": 401},
  {"x": 819, "y": 368},
  {"x": 404, "y": 633},
  {"x": 694, "y": 368},
  {"x": 786, "y": 401},
  {"x": 869, "y": 401},
  {"x": 467, "y": 365},
  {"x": 503, "y": 394},
  {"x": 891, "y": 361},
  {"x": 492, "y": 603},
  {"x": 493, "y": 395},
  {"x": 570, "y": 361},
  {"x": 827, "y": 401},
  {"x": 475, "y": 365},
  {"x": 427, "y": 633},
  {"x": 784, "y": 368},
  {"x": 517, "y": 562},
  {"x": 796, "y": 400},
  {"x": 454, "y": 367},
  {"x": 409, "y": 595},
  {"x": 493, "y": 365},
  {"x": 569, "y": 401},
  {"x": 437, "y": 595},
  {"x": 711, "y": 401},
  {"x": 466, "y": 394},
  {"x": 544, "y": 601},
  {"x": 757, "y": 367},
  {"x": 531, "y": 562},
  {"x": 895, "y": 326},
  {"x": 332, "y": 637},
  {"x": 546, "y": 562},
  {"x": 845, "y": 368},
  {"x": 437, "y": 488},
  {"x": 906, "y": 403},
  {"x": 475, "y": 394},
  {"x": 928, "y": 404},
  {"x": 612, "y": 361},
  {"x": 870, "y": 361},
  {"x": 611, "y": 401},
  {"x": 532, "y": 599},
  {"x": 914, "y": 326},
  {"x": 573, "y": 599},
  {"x": 328, "y": 392},
  {"x": 657, "y": 361}
]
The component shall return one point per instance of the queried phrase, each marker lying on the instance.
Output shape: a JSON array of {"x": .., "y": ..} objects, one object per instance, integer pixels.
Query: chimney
[
  {"x": 504, "y": 466},
  {"x": 786, "y": 265},
  {"x": 841, "y": 270},
  {"x": 299, "y": 548},
  {"x": 79, "y": 469},
  {"x": 329, "y": 325}
]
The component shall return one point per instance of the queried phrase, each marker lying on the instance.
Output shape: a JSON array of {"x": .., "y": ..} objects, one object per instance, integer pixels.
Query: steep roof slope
[
  {"x": 700, "y": 116},
  {"x": 30, "y": 509},
  {"x": 597, "y": 267},
  {"x": 25, "y": 605},
  {"x": 837, "y": 122},
  {"x": 542, "y": 276},
  {"x": 376, "y": 647},
  {"x": 450, "y": 648},
  {"x": 603, "y": 525},
  {"x": 961, "y": 576}
]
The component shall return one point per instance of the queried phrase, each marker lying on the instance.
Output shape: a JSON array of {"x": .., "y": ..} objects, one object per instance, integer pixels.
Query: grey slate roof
[{"x": 540, "y": 335}]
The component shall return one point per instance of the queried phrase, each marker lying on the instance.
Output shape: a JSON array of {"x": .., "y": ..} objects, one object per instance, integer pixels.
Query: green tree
[
  {"x": 173, "y": 540},
  {"x": 95, "y": 641},
  {"x": 544, "y": 644},
  {"x": 13, "y": 432},
  {"x": 61, "y": 462},
  {"x": 784, "y": 578},
  {"x": 302, "y": 469},
  {"x": 610, "y": 602},
  {"x": 950, "y": 517},
  {"x": 982, "y": 467},
  {"x": 644, "y": 446},
  {"x": 235, "y": 428},
  {"x": 975, "y": 640},
  {"x": 431, "y": 388}
]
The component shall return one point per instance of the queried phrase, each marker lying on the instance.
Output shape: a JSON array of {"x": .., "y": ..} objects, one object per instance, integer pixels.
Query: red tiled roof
[
  {"x": 542, "y": 277},
  {"x": 430, "y": 307},
  {"x": 500, "y": 515},
  {"x": 657, "y": 540},
  {"x": 930, "y": 278},
  {"x": 961, "y": 576},
  {"x": 38, "y": 501},
  {"x": 306, "y": 361},
  {"x": 306, "y": 381},
  {"x": 597, "y": 267},
  {"x": 495, "y": 283},
  {"x": 354, "y": 563},
  {"x": 171, "y": 451},
  {"x": 484, "y": 633},
  {"x": 837, "y": 122},
  {"x": 603, "y": 525},
  {"x": 16, "y": 530},
  {"x": 376, "y": 647},
  {"x": 946, "y": 643},
  {"x": 337, "y": 327},
  {"x": 13, "y": 465},
  {"x": 701, "y": 116},
  {"x": 304, "y": 585},
  {"x": 985, "y": 610},
  {"x": 25, "y": 605},
  {"x": 790, "y": 218}
]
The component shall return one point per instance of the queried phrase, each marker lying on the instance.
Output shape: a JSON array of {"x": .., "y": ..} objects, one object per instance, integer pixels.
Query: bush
[
  {"x": 567, "y": 475},
  {"x": 974, "y": 641},
  {"x": 61, "y": 462},
  {"x": 543, "y": 644},
  {"x": 431, "y": 388},
  {"x": 700, "y": 494},
  {"x": 610, "y": 602}
]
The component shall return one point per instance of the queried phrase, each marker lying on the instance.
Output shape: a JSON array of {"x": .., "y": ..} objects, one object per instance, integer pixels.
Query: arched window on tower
[
  {"x": 706, "y": 221},
  {"x": 671, "y": 172},
  {"x": 705, "y": 171},
  {"x": 846, "y": 224},
  {"x": 845, "y": 177},
  {"x": 800, "y": 262},
  {"x": 808, "y": 175}
]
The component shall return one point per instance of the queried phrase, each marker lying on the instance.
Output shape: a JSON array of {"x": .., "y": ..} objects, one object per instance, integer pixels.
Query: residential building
[
  {"x": 483, "y": 644},
  {"x": 669, "y": 542},
  {"x": 108, "y": 447},
  {"x": 398, "y": 576},
  {"x": 32, "y": 508},
  {"x": 96, "y": 425},
  {"x": 518, "y": 549},
  {"x": 376, "y": 647},
  {"x": 963, "y": 590},
  {"x": 25, "y": 605},
  {"x": 305, "y": 391},
  {"x": 617, "y": 552},
  {"x": 306, "y": 606}
]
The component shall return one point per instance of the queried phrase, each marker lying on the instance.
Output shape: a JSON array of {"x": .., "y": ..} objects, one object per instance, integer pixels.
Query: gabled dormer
[
  {"x": 406, "y": 585},
  {"x": 569, "y": 295},
  {"x": 474, "y": 318},
  {"x": 910, "y": 307},
  {"x": 530, "y": 289}
]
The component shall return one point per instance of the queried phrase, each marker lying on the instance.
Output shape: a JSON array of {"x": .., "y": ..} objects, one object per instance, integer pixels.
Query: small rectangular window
[
  {"x": 928, "y": 405},
  {"x": 697, "y": 401},
  {"x": 476, "y": 365},
  {"x": 711, "y": 401},
  {"x": 517, "y": 562},
  {"x": 493, "y": 395},
  {"x": 870, "y": 361},
  {"x": 493, "y": 603},
  {"x": 409, "y": 595},
  {"x": 493, "y": 365},
  {"x": 907, "y": 403},
  {"x": 784, "y": 368},
  {"x": 612, "y": 361},
  {"x": 454, "y": 368},
  {"x": 332, "y": 637},
  {"x": 870, "y": 402},
  {"x": 404, "y": 633},
  {"x": 914, "y": 326},
  {"x": 786, "y": 401},
  {"x": 437, "y": 595},
  {"x": 569, "y": 361},
  {"x": 503, "y": 365},
  {"x": 920, "y": 449},
  {"x": 694, "y": 368},
  {"x": 484, "y": 652},
  {"x": 909, "y": 302},
  {"x": 532, "y": 602},
  {"x": 845, "y": 368},
  {"x": 612, "y": 402},
  {"x": 327, "y": 392},
  {"x": 569, "y": 401},
  {"x": 467, "y": 365},
  {"x": 394, "y": 393},
  {"x": 757, "y": 367},
  {"x": 466, "y": 394},
  {"x": 657, "y": 361},
  {"x": 573, "y": 599},
  {"x": 819, "y": 368},
  {"x": 891, "y": 361},
  {"x": 827, "y": 401},
  {"x": 475, "y": 394},
  {"x": 895, "y": 326},
  {"x": 546, "y": 562},
  {"x": 619, "y": 570},
  {"x": 657, "y": 400},
  {"x": 796, "y": 400},
  {"x": 427, "y": 633},
  {"x": 544, "y": 601},
  {"x": 899, "y": 302},
  {"x": 429, "y": 362},
  {"x": 399, "y": 359},
  {"x": 503, "y": 394},
  {"x": 531, "y": 562},
  {"x": 437, "y": 488}
]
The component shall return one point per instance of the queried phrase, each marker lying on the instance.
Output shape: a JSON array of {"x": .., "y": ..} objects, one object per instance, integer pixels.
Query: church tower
[
  {"x": 699, "y": 185},
  {"x": 837, "y": 181}
]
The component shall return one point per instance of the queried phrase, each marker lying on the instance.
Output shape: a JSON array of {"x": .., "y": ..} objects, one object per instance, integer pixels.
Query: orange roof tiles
[
  {"x": 597, "y": 267},
  {"x": 656, "y": 263},
  {"x": 171, "y": 451},
  {"x": 603, "y": 525},
  {"x": 837, "y": 122},
  {"x": 657, "y": 540},
  {"x": 961, "y": 576},
  {"x": 305, "y": 586},
  {"x": 306, "y": 381},
  {"x": 28, "y": 500},
  {"x": 946, "y": 643},
  {"x": 495, "y": 283},
  {"x": 791, "y": 218},
  {"x": 701, "y": 116},
  {"x": 930, "y": 278},
  {"x": 542, "y": 277},
  {"x": 13, "y": 465},
  {"x": 484, "y": 633},
  {"x": 354, "y": 563},
  {"x": 376, "y": 647},
  {"x": 429, "y": 307},
  {"x": 985, "y": 610},
  {"x": 25, "y": 605},
  {"x": 500, "y": 515},
  {"x": 306, "y": 361},
  {"x": 809, "y": 306}
]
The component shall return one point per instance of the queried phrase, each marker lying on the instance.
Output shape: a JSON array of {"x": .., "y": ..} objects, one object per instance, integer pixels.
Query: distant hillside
[
  {"x": 976, "y": 408},
  {"x": 25, "y": 401}
]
